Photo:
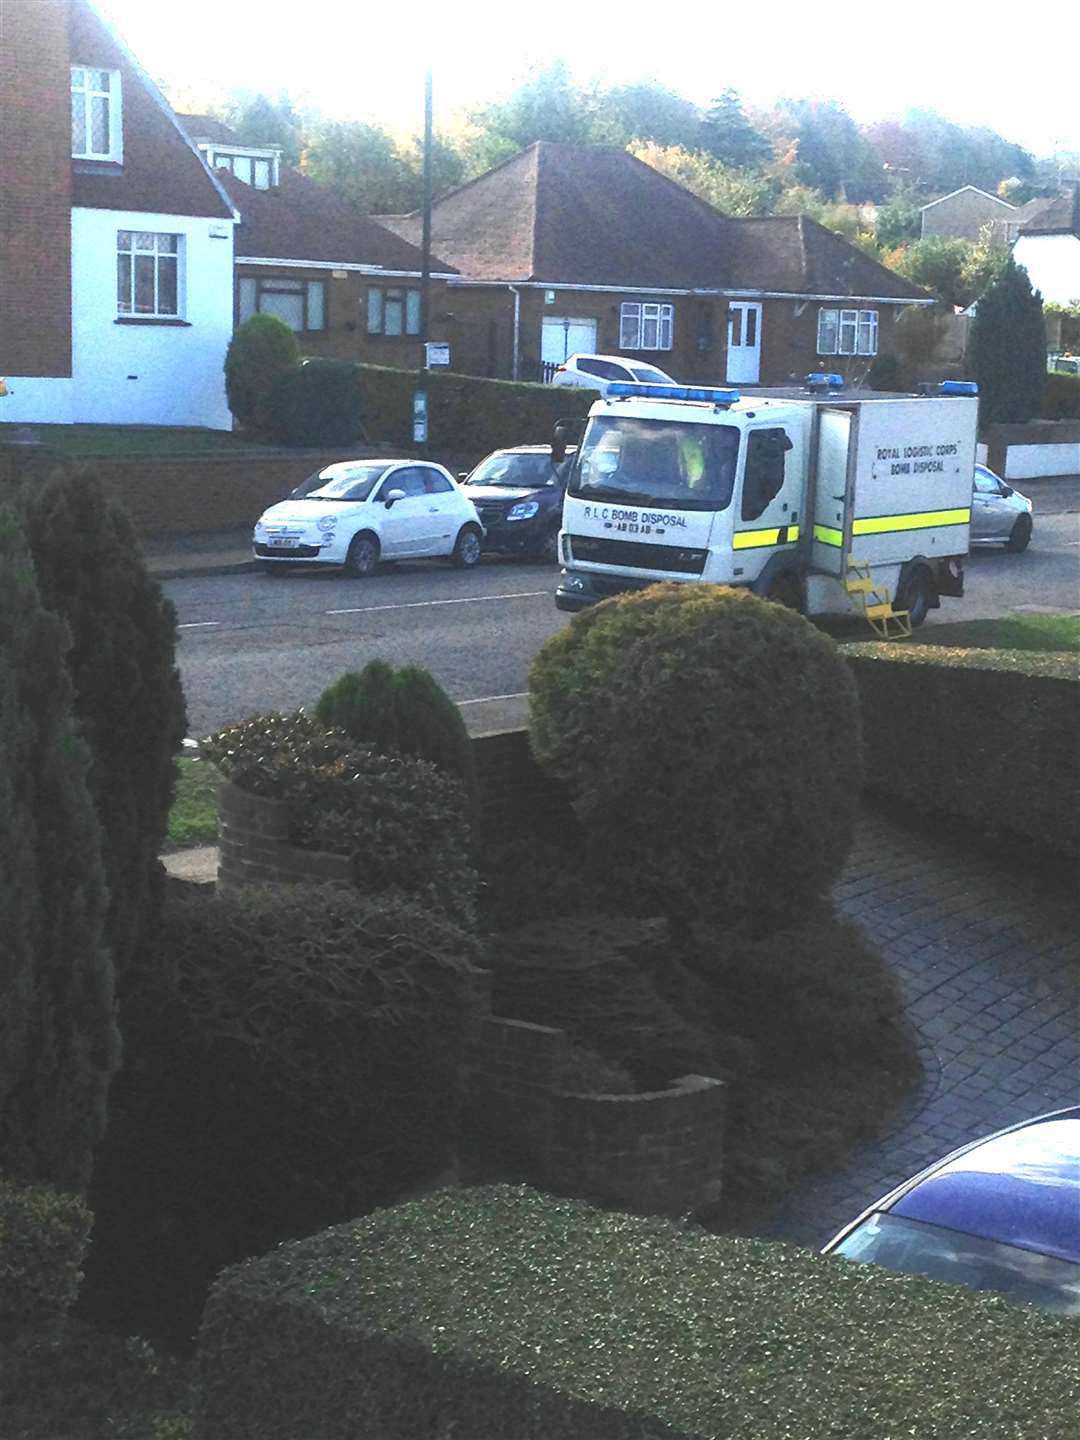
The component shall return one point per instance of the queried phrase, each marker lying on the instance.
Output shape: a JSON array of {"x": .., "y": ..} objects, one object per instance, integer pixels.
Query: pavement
[
  {"x": 228, "y": 552},
  {"x": 988, "y": 955}
]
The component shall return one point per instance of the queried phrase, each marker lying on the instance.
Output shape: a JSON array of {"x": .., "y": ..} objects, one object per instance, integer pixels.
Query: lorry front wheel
[
  {"x": 916, "y": 597},
  {"x": 785, "y": 590}
]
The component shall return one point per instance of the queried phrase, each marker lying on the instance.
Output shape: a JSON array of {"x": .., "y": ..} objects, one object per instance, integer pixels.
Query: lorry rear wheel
[{"x": 915, "y": 597}]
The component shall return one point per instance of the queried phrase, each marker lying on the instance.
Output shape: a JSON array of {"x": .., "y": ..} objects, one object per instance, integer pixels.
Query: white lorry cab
[{"x": 828, "y": 502}]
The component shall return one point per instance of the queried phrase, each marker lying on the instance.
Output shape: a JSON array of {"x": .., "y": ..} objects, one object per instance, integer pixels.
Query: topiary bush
[
  {"x": 403, "y": 822},
  {"x": 128, "y": 700},
  {"x": 259, "y": 354},
  {"x": 401, "y": 712},
  {"x": 43, "y": 1236},
  {"x": 317, "y": 404},
  {"x": 293, "y": 1056},
  {"x": 713, "y": 741}
]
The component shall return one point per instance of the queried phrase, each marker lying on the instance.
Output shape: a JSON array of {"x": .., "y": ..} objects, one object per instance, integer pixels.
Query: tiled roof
[
  {"x": 596, "y": 215},
  {"x": 160, "y": 171},
  {"x": 1058, "y": 215},
  {"x": 303, "y": 221},
  {"x": 208, "y": 127}
]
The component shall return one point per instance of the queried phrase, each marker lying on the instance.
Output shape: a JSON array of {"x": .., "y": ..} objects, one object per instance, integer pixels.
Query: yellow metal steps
[{"x": 877, "y": 607}]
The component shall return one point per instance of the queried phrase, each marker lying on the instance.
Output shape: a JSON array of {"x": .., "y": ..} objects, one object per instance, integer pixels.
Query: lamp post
[{"x": 420, "y": 399}]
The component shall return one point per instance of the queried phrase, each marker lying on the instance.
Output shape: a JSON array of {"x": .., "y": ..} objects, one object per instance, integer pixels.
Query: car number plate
[{"x": 285, "y": 540}]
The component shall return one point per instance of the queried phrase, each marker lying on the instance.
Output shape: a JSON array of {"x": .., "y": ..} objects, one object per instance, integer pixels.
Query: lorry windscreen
[{"x": 671, "y": 463}]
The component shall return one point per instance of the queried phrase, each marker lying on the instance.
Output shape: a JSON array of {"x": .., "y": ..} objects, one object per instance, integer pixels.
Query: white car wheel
[{"x": 467, "y": 549}]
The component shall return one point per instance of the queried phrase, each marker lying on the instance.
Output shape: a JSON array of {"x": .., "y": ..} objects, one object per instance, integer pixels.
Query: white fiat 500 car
[{"x": 359, "y": 512}]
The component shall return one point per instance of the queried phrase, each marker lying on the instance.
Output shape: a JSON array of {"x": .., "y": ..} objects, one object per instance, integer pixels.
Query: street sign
[{"x": 437, "y": 353}]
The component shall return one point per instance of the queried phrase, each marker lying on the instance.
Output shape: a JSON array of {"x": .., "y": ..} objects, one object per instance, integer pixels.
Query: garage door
[{"x": 563, "y": 336}]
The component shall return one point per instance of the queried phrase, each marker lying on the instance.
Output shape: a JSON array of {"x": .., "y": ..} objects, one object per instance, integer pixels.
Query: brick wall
[
  {"x": 255, "y": 850},
  {"x": 35, "y": 188},
  {"x": 659, "y": 1152}
]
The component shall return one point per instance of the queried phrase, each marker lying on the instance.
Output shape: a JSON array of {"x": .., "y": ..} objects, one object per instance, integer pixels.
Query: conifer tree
[
  {"x": 128, "y": 700},
  {"x": 58, "y": 1039},
  {"x": 1008, "y": 342}
]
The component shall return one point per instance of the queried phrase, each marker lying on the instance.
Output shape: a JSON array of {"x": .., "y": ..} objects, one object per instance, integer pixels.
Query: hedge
[
  {"x": 43, "y": 1237},
  {"x": 1061, "y": 400},
  {"x": 466, "y": 413},
  {"x": 989, "y": 735},
  {"x": 496, "y": 1313}
]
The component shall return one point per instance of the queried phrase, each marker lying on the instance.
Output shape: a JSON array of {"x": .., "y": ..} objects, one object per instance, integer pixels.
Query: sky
[{"x": 975, "y": 63}]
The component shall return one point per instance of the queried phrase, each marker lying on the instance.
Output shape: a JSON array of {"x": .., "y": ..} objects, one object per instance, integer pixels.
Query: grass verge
[
  {"x": 193, "y": 817},
  {"x": 1048, "y": 633}
]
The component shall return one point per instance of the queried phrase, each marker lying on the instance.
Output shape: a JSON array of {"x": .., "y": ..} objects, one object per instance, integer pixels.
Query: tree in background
[
  {"x": 1008, "y": 344},
  {"x": 60, "y": 1045},
  {"x": 937, "y": 264},
  {"x": 831, "y": 154},
  {"x": 128, "y": 701},
  {"x": 899, "y": 220},
  {"x": 729, "y": 137},
  {"x": 259, "y": 354},
  {"x": 547, "y": 106},
  {"x": 258, "y": 120},
  {"x": 362, "y": 164},
  {"x": 731, "y": 191}
]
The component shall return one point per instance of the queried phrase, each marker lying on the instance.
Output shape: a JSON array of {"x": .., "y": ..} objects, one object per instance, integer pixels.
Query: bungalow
[
  {"x": 348, "y": 286},
  {"x": 566, "y": 248},
  {"x": 116, "y": 241}
]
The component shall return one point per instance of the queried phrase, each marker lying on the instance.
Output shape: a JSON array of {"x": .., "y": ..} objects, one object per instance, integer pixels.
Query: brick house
[
  {"x": 348, "y": 287},
  {"x": 568, "y": 248},
  {"x": 964, "y": 214},
  {"x": 116, "y": 241}
]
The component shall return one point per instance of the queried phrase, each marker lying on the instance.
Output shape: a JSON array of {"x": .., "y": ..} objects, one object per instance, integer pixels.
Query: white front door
[
  {"x": 562, "y": 337},
  {"x": 744, "y": 342}
]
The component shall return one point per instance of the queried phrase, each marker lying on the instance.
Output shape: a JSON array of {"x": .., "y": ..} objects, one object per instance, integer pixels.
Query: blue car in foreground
[{"x": 1002, "y": 1214}]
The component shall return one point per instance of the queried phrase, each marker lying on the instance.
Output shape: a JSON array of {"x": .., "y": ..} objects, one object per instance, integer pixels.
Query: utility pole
[{"x": 420, "y": 399}]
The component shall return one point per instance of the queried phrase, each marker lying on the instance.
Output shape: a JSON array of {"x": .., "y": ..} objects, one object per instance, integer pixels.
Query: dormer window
[
  {"x": 255, "y": 167},
  {"x": 96, "y": 130}
]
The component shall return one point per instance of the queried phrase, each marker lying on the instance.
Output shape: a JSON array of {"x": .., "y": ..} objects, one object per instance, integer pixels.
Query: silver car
[{"x": 1000, "y": 515}]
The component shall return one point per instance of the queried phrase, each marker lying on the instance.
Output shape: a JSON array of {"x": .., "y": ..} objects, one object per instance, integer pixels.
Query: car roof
[
  {"x": 1019, "y": 1187},
  {"x": 589, "y": 355},
  {"x": 527, "y": 450}
]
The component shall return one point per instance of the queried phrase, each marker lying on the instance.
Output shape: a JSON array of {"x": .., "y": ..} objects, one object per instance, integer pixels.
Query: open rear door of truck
[{"x": 832, "y": 491}]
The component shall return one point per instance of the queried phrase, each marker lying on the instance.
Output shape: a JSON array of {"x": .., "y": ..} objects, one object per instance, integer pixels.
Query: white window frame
[
  {"x": 646, "y": 325},
  {"x": 89, "y": 93},
  {"x": 133, "y": 249},
  {"x": 249, "y": 157},
  {"x": 853, "y": 332}
]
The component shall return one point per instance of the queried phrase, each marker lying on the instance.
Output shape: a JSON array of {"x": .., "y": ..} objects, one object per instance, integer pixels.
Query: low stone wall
[
  {"x": 1027, "y": 452},
  {"x": 659, "y": 1152},
  {"x": 254, "y": 847}
]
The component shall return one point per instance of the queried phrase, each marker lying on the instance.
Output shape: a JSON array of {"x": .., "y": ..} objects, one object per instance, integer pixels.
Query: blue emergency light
[
  {"x": 823, "y": 380},
  {"x": 629, "y": 390},
  {"x": 959, "y": 387}
]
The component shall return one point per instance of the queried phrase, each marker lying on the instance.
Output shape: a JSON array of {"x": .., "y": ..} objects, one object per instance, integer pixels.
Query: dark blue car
[
  {"x": 1002, "y": 1213},
  {"x": 519, "y": 494}
]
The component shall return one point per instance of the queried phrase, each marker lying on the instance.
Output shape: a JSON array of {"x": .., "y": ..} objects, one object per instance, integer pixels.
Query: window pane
[
  {"x": 735, "y": 318},
  {"x": 393, "y": 312},
  {"x": 99, "y": 125},
  {"x": 247, "y": 298},
  {"x": 287, "y": 307},
  {"x": 412, "y": 311},
  {"x": 667, "y": 318},
  {"x": 751, "y": 325},
  {"x": 650, "y": 329},
  {"x": 167, "y": 285},
  {"x": 124, "y": 239},
  {"x": 144, "y": 284},
  {"x": 262, "y": 175},
  {"x": 630, "y": 327},
  {"x": 242, "y": 168},
  {"x": 849, "y": 324},
  {"x": 100, "y": 80},
  {"x": 168, "y": 244},
  {"x": 78, "y": 123},
  {"x": 145, "y": 240},
  {"x": 123, "y": 284},
  {"x": 827, "y": 331},
  {"x": 374, "y": 312},
  {"x": 316, "y": 304},
  {"x": 78, "y": 79}
]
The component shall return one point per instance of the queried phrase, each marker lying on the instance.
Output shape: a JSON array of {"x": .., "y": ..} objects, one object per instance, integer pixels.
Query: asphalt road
[{"x": 252, "y": 643}]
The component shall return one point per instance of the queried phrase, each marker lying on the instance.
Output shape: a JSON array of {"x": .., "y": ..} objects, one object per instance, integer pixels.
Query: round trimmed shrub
[
  {"x": 713, "y": 741},
  {"x": 400, "y": 712},
  {"x": 259, "y": 354}
]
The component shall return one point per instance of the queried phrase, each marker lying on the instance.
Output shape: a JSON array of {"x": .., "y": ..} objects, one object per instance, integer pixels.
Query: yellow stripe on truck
[
  {"x": 826, "y": 536},
  {"x": 755, "y": 539},
  {"x": 922, "y": 520}
]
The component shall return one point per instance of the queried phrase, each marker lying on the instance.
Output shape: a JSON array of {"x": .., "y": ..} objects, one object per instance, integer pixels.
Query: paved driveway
[{"x": 989, "y": 958}]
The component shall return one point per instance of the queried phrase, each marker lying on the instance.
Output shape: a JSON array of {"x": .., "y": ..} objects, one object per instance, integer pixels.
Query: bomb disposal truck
[{"x": 828, "y": 502}]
